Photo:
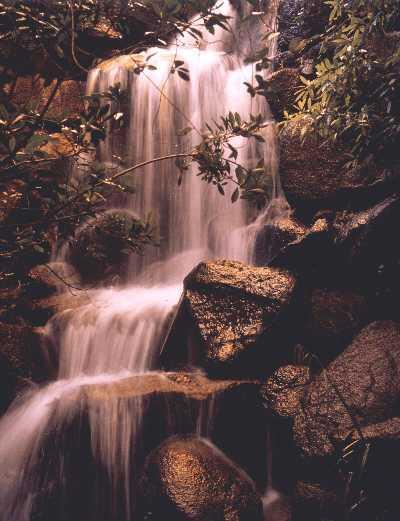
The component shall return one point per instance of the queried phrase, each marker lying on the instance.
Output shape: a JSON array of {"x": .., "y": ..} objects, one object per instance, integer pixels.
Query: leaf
[
  {"x": 235, "y": 195},
  {"x": 183, "y": 75}
]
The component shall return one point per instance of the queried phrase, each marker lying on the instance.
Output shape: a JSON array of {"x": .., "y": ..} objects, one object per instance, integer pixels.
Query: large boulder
[
  {"x": 282, "y": 88},
  {"x": 360, "y": 387},
  {"x": 314, "y": 175},
  {"x": 239, "y": 316},
  {"x": 190, "y": 480}
]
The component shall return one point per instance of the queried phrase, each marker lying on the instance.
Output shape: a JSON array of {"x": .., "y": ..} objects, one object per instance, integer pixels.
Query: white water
[{"x": 120, "y": 332}]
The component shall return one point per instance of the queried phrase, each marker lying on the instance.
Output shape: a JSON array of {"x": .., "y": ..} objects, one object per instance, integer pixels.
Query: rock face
[
  {"x": 48, "y": 279},
  {"x": 274, "y": 237},
  {"x": 189, "y": 479},
  {"x": 360, "y": 387},
  {"x": 299, "y": 19},
  {"x": 367, "y": 246},
  {"x": 20, "y": 361},
  {"x": 314, "y": 176},
  {"x": 187, "y": 403},
  {"x": 284, "y": 390},
  {"x": 335, "y": 316},
  {"x": 312, "y": 172},
  {"x": 282, "y": 88},
  {"x": 238, "y": 314}
]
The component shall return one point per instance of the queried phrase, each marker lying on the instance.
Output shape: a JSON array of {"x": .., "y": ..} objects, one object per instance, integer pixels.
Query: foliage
[
  {"x": 40, "y": 201},
  {"x": 354, "y": 98},
  {"x": 64, "y": 38}
]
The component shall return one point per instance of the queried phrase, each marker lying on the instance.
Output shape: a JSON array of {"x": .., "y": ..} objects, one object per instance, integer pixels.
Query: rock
[
  {"x": 282, "y": 87},
  {"x": 274, "y": 237},
  {"x": 99, "y": 249},
  {"x": 239, "y": 316},
  {"x": 185, "y": 403},
  {"x": 20, "y": 361},
  {"x": 311, "y": 255},
  {"x": 300, "y": 19},
  {"x": 284, "y": 390},
  {"x": 360, "y": 387},
  {"x": 68, "y": 101},
  {"x": 367, "y": 245},
  {"x": 335, "y": 317},
  {"x": 314, "y": 176},
  {"x": 189, "y": 479},
  {"x": 39, "y": 311},
  {"x": 47, "y": 279},
  {"x": 313, "y": 502}
]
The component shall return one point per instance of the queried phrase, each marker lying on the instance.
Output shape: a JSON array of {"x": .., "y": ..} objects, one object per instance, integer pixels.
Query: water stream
[{"x": 120, "y": 332}]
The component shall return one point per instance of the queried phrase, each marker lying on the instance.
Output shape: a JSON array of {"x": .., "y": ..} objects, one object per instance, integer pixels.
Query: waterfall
[{"x": 119, "y": 333}]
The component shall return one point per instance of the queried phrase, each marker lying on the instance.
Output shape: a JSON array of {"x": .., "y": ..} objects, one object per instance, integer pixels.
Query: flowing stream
[{"x": 120, "y": 332}]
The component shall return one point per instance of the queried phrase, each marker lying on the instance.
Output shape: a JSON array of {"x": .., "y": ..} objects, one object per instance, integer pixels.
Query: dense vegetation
[{"x": 354, "y": 98}]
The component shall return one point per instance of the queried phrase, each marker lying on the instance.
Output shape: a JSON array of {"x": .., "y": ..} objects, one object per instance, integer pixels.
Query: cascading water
[{"x": 120, "y": 331}]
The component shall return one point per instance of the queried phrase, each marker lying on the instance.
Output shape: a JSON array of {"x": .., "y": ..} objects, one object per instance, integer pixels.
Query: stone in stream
[
  {"x": 239, "y": 318},
  {"x": 99, "y": 435},
  {"x": 360, "y": 387},
  {"x": 184, "y": 403},
  {"x": 190, "y": 479}
]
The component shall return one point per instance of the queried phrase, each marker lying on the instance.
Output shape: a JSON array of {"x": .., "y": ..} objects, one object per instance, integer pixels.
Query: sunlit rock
[
  {"x": 239, "y": 315},
  {"x": 284, "y": 390},
  {"x": 189, "y": 479}
]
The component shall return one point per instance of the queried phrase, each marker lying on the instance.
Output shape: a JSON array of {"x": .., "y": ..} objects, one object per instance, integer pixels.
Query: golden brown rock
[
  {"x": 283, "y": 391},
  {"x": 190, "y": 479},
  {"x": 234, "y": 309}
]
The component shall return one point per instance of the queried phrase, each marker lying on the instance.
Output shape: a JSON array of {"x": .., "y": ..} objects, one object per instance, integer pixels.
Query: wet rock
[
  {"x": 47, "y": 279},
  {"x": 189, "y": 479},
  {"x": 284, "y": 390},
  {"x": 335, "y": 317},
  {"x": 282, "y": 87},
  {"x": 274, "y": 237},
  {"x": 187, "y": 403},
  {"x": 239, "y": 316},
  {"x": 20, "y": 361},
  {"x": 99, "y": 250},
  {"x": 360, "y": 387}
]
